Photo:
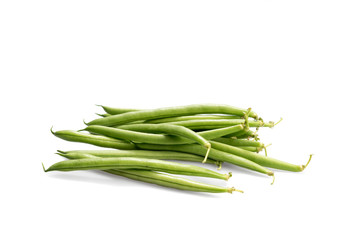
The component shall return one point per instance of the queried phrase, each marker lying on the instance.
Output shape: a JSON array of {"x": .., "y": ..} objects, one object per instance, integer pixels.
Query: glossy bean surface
[
  {"x": 258, "y": 158},
  {"x": 170, "y": 181},
  {"x": 214, "y": 154},
  {"x": 163, "y": 155},
  {"x": 97, "y": 163},
  {"x": 97, "y": 140},
  {"x": 169, "y": 112}
]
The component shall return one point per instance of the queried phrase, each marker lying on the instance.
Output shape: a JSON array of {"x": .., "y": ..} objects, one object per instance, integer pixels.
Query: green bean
[
  {"x": 187, "y": 134},
  {"x": 214, "y": 154},
  {"x": 97, "y": 140},
  {"x": 257, "y": 158},
  {"x": 243, "y": 135},
  {"x": 114, "y": 111},
  {"x": 76, "y": 154},
  {"x": 97, "y": 163},
  {"x": 218, "y": 123},
  {"x": 170, "y": 181},
  {"x": 191, "y": 117},
  {"x": 209, "y": 134},
  {"x": 239, "y": 142},
  {"x": 251, "y": 149},
  {"x": 103, "y": 114},
  {"x": 169, "y": 155},
  {"x": 169, "y": 112}
]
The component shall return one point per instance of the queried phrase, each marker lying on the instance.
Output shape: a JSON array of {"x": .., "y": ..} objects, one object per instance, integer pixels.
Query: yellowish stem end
[
  {"x": 230, "y": 190},
  {"x": 219, "y": 164},
  {"x": 304, "y": 166},
  {"x": 278, "y": 122},
  {"x": 273, "y": 176},
  {"x": 207, "y": 152}
]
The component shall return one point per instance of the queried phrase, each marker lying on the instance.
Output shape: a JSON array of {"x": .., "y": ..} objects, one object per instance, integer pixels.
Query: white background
[{"x": 293, "y": 59}]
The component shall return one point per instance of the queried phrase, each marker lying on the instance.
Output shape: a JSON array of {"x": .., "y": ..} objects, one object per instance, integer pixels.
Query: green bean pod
[
  {"x": 258, "y": 158},
  {"x": 103, "y": 114},
  {"x": 218, "y": 123},
  {"x": 251, "y": 149},
  {"x": 97, "y": 140},
  {"x": 76, "y": 154},
  {"x": 208, "y": 134},
  {"x": 191, "y": 117},
  {"x": 187, "y": 135},
  {"x": 169, "y": 112},
  {"x": 170, "y": 181},
  {"x": 239, "y": 142},
  {"x": 135, "y": 163},
  {"x": 246, "y": 134},
  {"x": 164, "y": 155},
  {"x": 214, "y": 154},
  {"x": 114, "y": 111}
]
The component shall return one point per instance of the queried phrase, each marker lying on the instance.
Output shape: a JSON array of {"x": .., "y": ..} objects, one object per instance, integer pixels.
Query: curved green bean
[
  {"x": 187, "y": 134},
  {"x": 214, "y": 154},
  {"x": 166, "y": 180},
  {"x": 148, "y": 137},
  {"x": 208, "y": 134},
  {"x": 97, "y": 163},
  {"x": 169, "y": 112},
  {"x": 258, "y": 158}
]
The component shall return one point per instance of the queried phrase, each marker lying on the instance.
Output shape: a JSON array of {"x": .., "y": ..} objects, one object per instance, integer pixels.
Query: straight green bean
[
  {"x": 168, "y": 155},
  {"x": 97, "y": 163},
  {"x": 169, "y": 112},
  {"x": 171, "y": 181}
]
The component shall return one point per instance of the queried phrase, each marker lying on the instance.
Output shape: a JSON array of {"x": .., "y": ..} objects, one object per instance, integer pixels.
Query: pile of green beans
[{"x": 143, "y": 143}]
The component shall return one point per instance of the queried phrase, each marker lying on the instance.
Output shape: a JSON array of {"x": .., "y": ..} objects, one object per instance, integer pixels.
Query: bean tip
[
  {"x": 51, "y": 130},
  {"x": 43, "y": 167},
  {"x": 87, "y": 124}
]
